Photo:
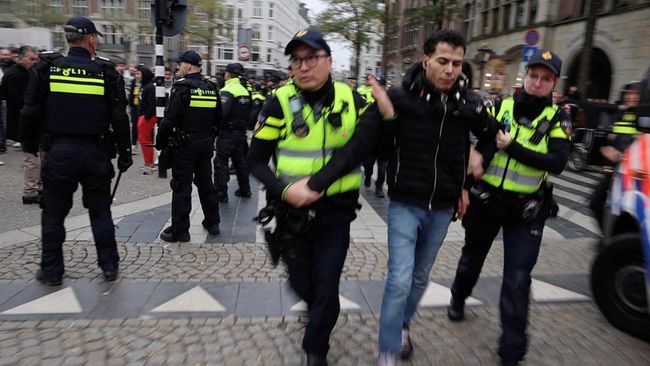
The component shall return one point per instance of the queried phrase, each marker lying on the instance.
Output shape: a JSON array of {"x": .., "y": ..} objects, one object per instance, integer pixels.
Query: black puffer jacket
[{"x": 428, "y": 143}]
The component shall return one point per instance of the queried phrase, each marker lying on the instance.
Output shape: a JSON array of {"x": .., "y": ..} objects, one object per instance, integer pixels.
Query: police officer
[
  {"x": 258, "y": 99},
  {"x": 191, "y": 119},
  {"x": 232, "y": 141},
  {"x": 513, "y": 194},
  {"x": 300, "y": 127},
  {"x": 75, "y": 101}
]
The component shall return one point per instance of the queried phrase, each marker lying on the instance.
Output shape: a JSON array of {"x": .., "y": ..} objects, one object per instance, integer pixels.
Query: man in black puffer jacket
[{"x": 427, "y": 144}]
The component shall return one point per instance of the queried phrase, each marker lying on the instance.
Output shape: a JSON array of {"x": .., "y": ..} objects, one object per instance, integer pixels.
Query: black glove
[
  {"x": 30, "y": 147},
  {"x": 124, "y": 161},
  {"x": 161, "y": 143},
  {"x": 470, "y": 107}
]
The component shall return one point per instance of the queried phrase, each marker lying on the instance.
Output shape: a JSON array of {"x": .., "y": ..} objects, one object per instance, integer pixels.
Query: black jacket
[
  {"x": 427, "y": 144},
  {"x": 14, "y": 84},
  {"x": 147, "y": 96}
]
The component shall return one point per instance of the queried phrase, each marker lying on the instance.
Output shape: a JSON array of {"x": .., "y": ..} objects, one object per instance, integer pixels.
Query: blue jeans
[{"x": 415, "y": 235}]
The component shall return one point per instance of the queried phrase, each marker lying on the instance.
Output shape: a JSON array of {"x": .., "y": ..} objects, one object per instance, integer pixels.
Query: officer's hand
[
  {"x": 610, "y": 153},
  {"x": 124, "y": 161},
  {"x": 470, "y": 107},
  {"x": 161, "y": 144},
  {"x": 475, "y": 165},
  {"x": 463, "y": 203},
  {"x": 503, "y": 139},
  {"x": 299, "y": 195},
  {"x": 384, "y": 104}
]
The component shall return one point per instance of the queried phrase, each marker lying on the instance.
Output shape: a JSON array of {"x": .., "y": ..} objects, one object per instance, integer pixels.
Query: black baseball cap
[
  {"x": 191, "y": 57},
  {"x": 235, "y": 68},
  {"x": 311, "y": 37},
  {"x": 548, "y": 59},
  {"x": 81, "y": 25}
]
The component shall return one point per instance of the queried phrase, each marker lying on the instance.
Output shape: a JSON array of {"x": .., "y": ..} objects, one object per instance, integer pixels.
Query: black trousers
[
  {"x": 66, "y": 165},
  {"x": 134, "y": 125},
  {"x": 191, "y": 163},
  {"x": 368, "y": 166},
  {"x": 521, "y": 244},
  {"x": 315, "y": 271},
  {"x": 599, "y": 197},
  {"x": 231, "y": 145}
]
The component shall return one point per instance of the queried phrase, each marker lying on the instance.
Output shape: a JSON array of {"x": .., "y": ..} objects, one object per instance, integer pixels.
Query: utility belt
[
  {"x": 517, "y": 206},
  {"x": 105, "y": 141}
]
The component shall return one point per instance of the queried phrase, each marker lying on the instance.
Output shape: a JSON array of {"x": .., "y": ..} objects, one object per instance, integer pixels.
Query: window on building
[
  {"x": 256, "y": 33},
  {"x": 411, "y": 35},
  {"x": 145, "y": 35},
  {"x": 112, "y": 8},
  {"x": 506, "y": 17},
  {"x": 257, "y": 9},
  {"x": 58, "y": 36},
  {"x": 467, "y": 21},
  {"x": 495, "y": 20},
  {"x": 270, "y": 33},
  {"x": 269, "y": 53},
  {"x": 112, "y": 34},
  {"x": 80, "y": 8},
  {"x": 532, "y": 11},
  {"x": 256, "y": 53},
  {"x": 144, "y": 9},
  {"x": 29, "y": 8},
  {"x": 519, "y": 13},
  {"x": 56, "y": 6},
  {"x": 486, "y": 23},
  {"x": 271, "y": 9},
  {"x": 240, "y": 13},
  {"x": 228, "y": 54}
]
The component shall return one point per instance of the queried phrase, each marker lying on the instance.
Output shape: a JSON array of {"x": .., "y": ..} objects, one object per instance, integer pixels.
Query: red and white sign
[{"x": 244, "y": 53}]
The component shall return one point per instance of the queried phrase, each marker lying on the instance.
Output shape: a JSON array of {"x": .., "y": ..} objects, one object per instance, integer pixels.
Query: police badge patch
[
  {"x": 567, "y": 126},
  {"x": 261, "y": 120}
]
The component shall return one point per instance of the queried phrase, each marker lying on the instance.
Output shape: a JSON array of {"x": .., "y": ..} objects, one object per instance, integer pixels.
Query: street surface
[{"x": 217, "y": 300}]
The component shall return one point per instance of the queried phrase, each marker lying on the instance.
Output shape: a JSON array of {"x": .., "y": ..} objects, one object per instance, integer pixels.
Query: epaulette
[
  {"x": 49, "y": 56},
  {"x": 104, "y": 62},
  {"x": 193, "y": 83}
]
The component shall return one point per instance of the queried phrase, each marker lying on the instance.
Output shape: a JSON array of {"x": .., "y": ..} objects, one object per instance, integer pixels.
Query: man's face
[
  {"x": 539, "y": 81},
  {"x": 5, "y": 55},
  {"x": 168, "y": 75},
  {"x": 443, "y": 66},
  {"x": 138, "y": 75},
  {"x": 29, "y": 60},
  {"x": 556, "y": 96},
  {"x": 632, "y": 98},
  {"x": 120, "y": 68},
  {"x": 311, "y": 67},
  {"x": 184, "y": 68}
]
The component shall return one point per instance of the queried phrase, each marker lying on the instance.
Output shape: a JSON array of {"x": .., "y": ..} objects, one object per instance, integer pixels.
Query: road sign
[
  {"x": 532, "y": 37},
  {"x": 244, "y": 53},
  {"x": 527, "y": 52}
]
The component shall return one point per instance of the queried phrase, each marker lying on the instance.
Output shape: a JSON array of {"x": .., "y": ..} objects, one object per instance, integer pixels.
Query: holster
[{"x": 107, "y": 143}]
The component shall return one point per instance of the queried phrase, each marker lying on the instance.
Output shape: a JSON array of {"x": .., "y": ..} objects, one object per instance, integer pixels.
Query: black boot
[
  {"x": 169, "y": 235},
  {"x": 456, "y": 310},
  {"x": 110, "y": 276},
  {"x": 40, "y": 276},
  {"x": 211, "y": 228},
  {"x": 316, "y": 360},
  {"x": 243, "y": 193},
  {"x": 379, "y": 193}
]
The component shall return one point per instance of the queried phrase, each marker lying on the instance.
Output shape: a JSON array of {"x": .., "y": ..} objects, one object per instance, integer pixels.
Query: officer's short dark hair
[
  {"x": 24, "y": 50},
  {"x": 455, "y": 39},
  {"x": 75, "y": 38}
]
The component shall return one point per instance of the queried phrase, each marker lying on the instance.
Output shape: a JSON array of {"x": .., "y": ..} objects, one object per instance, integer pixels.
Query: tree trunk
[
  {"x": 585, "y": 60},
  {"x": 357, "y": 53}
]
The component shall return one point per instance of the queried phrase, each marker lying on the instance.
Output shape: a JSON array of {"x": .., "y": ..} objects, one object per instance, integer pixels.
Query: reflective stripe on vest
[
  {"x": 627, "y": 124},
  {"x": 205, "y": 101},
  {"x": 298, "y": 157},
  {"x": 508, "y": 173},
  {"x": 76, "y": 85}
]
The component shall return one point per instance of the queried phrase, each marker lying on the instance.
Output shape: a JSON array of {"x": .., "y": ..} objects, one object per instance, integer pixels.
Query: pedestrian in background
[
  {"x": 76, "y": 101},
  {"x": 192, "y": 116},
  {"x": 514, "y": 195},
  {"x": 146, "y": 117},
  {"x": 14, "y": 84}
]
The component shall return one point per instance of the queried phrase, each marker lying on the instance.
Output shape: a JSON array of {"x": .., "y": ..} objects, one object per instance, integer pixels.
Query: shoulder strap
[
  {"x": 192, "y": 83},
  {"x": 104, "y": 63},
  {"x": 52, "y": 58}
]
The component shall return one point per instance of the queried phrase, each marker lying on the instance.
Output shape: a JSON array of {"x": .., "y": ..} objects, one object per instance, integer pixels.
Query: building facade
[
  {"x": 503, "y": 33},
  {"x": 370, "y": 58}
]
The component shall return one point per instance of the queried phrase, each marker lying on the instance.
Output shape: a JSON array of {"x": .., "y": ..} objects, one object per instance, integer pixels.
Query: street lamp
[{"x": 483, "y": 56}]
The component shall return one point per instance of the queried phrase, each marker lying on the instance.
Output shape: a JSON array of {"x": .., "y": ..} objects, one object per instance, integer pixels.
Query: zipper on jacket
[
  {"x": 505, "y": 170},
  {"x": 397, "y": 168},
  {"x": 443, "y": 99}
]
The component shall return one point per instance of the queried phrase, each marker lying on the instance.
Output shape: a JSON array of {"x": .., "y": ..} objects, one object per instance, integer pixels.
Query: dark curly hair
[{"x": 455, "y": 39}]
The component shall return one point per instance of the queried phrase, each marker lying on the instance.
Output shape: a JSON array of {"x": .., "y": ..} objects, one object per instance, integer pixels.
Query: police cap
[
  {"x": 311, "y": 38},
  {"x": 81, "y": 25},
  {"x": 191, "y": 57},
  {"x": 235, "y": 68},
  {"x": 548, "y": 59}
]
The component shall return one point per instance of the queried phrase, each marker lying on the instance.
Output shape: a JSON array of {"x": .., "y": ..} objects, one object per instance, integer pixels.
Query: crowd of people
[{"x": 444, "y": 152}]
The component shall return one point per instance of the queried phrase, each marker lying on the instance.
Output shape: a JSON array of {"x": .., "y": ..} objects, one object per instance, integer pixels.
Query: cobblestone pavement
[{"x": 560, "y": 335}]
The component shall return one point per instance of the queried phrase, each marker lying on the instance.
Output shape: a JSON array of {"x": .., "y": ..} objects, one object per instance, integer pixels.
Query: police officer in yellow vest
[
  {"x": 231, "y": 142},
  {"x": 75, "y": 101},
  {"x": 513, "y": 194},
  {"x": 301, "y": 127},
  {"x": 258, "y": 99},
  {"x": 192, "y": 116},
  {"x": 626, "y": 121}
]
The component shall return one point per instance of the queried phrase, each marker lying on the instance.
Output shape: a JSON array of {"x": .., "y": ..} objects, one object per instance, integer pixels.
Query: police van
[{"x": 620, "y": 276}]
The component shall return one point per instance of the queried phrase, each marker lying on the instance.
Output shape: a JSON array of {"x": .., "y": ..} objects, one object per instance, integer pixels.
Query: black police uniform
[
  {"x": 232, "y": 143},
  {"x": 191, "y": 118},
  {"x": 75, "y": 101}
]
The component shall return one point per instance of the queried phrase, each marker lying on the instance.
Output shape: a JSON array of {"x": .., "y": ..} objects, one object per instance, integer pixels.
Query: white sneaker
[
  {"x": 17, "y": 144},
  {"x": 2, "y": 163},
  {"x": 387, "y": 359}
]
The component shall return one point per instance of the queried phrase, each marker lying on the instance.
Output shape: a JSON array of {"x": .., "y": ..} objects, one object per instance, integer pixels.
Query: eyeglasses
[{"x": 310, "y": 61}]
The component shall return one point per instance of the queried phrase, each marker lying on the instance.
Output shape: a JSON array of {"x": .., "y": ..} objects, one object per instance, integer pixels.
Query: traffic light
[{"x": 170, "y": 14}]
